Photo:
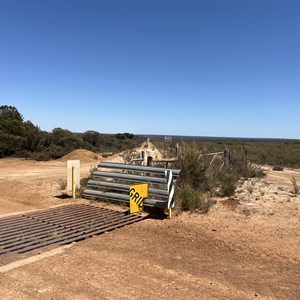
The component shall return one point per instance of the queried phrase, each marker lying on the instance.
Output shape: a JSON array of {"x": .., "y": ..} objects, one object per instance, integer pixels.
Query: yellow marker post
[
  {"x": 138, "y": 192},
  {"x": 73, "y": 182}
]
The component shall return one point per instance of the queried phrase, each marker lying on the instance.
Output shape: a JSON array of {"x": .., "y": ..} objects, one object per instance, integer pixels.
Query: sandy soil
[{"x": 246, "y": 247}]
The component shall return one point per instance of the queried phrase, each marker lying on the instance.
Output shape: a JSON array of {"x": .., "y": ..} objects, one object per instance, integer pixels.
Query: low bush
[
  {"x": 295, "y": 190},
  {"x": 62, "y": 184},
  {"x": 192, "y": 199},
  {"x": 84, "y": 181},
  {"x": 193, "y": 166},
  {"x": 227, "y": 184},
  {"x": 202, "y": 174}
]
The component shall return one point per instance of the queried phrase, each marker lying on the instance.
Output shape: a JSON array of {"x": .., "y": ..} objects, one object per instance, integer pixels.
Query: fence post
[
  {"x": 149, "y": 161},
  {"x": 142, "y": 156},
  {"x": 177, "y": 150},
  {"x": 227, "y": 157}
]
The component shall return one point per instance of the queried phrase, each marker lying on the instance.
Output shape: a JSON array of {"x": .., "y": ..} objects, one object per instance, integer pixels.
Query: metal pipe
[
  {"x": 135, "y": 159},
  {"x": 213, "y": 153},
  {"x": 136, "y": 168},
  {"x": 123, "y": 187},
  {"x": 141, "y": 159},
  {"x": 138, "y": 178},
  {"x": 213, "y": 159}
]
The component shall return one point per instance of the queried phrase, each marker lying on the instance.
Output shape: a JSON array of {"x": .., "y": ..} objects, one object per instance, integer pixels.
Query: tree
[
  {"x": 92, "y": 137},
  {"x": 10, "y": 112},
  {"x": 32, "y": 136},
  {"x": 11, "y": 121}
]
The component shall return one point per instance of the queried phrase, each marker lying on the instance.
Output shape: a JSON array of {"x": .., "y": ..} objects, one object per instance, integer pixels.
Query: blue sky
[{"x": 206, "y": 68}]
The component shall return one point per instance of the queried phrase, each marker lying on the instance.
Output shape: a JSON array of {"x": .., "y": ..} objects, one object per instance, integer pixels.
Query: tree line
[{"x": 19, "y": 137}]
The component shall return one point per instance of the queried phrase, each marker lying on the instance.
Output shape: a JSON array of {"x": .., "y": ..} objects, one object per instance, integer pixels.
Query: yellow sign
[{"x": 137, "y": 194}]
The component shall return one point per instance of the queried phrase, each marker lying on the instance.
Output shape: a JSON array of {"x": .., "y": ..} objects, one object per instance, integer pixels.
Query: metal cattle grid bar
[{"x": 60, "y": 225}]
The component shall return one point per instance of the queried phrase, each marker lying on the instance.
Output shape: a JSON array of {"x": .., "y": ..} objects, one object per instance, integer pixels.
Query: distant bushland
[
  {"x": 261, "y": 151},
  {"x": 23, "y": 139}
]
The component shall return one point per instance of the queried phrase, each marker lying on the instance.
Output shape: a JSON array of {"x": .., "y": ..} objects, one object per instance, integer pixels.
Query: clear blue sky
[{"x": 206, "y": 68}]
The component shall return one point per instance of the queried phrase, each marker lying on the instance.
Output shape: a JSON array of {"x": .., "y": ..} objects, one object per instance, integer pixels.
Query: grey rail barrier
[{"x": 112, "y": 182}]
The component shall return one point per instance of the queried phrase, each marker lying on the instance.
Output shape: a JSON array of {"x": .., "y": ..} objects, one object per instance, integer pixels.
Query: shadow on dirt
[
  {"x": 63, "y": 196},
  {"x": 156, "y": 214},
  {"x": 152, "y": 213}
]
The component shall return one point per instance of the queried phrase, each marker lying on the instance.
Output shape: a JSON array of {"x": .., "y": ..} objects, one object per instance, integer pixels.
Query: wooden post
[
  {"x": 177, "y": 150},
  {"x": 149, "y": 161},
  {"x": 226, "y": 156}
]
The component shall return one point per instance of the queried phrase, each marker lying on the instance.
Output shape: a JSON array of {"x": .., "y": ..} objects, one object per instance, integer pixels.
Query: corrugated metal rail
[{"x": 60, "y": 225}]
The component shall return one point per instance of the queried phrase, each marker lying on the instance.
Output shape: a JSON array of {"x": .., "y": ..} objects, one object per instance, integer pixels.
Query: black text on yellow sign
[{"x": 138, "y": 192}]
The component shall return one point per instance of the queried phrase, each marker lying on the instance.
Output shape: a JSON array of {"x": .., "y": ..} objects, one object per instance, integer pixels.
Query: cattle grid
[{"x": 58, "y": 226}]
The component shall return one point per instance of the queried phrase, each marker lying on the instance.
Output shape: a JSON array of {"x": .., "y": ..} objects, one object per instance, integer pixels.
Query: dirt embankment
[{"x": 85, "y": 156}]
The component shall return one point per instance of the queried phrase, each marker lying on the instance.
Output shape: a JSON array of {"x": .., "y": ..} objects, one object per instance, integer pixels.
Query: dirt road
[{"x": 246, "y": 247}]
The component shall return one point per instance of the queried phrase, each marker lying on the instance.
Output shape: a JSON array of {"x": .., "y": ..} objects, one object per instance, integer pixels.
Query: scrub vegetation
[
  {"x": 23, "y": 139},
  {"x": 204, "y": 175}
]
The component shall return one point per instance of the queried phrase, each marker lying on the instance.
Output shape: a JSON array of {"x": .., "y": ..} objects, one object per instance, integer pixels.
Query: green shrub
[
  {"x": 193, "y": 165},
  {"x": 203, "y": 174},
  {"x": 295, "y": 190},
  {"x": 192, "y": 199},
  {"x": 84, "y": 181},
  {"x": 228, "y": 183},
  {"x": 240, "y": 165},
  {"x": 62, "y": 184}
]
